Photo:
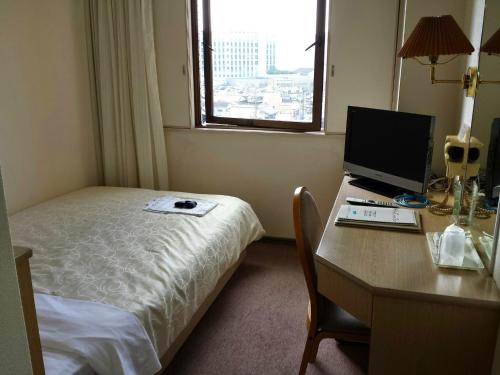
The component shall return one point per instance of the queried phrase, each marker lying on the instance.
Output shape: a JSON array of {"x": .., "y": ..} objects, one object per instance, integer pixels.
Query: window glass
[{"x": 258, "y": 66}]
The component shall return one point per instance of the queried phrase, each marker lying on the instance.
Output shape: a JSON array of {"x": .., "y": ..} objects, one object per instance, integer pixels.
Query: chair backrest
[{"x": 308, "y": 231}]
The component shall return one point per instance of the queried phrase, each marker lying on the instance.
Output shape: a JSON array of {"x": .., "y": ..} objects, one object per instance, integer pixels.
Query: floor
[{"x": 257, "y": 324}]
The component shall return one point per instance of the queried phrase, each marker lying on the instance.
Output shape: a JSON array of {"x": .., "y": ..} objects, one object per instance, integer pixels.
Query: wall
[
  {"x": 474, "y": 15},
  {"x": 46, "y": 140},
  {"x": 417, "y": 94},
  {"x": 171, "y": 33},
  {"x": 264, "y": 168},
  {"x": 487, "y": 104},
  {"x": 259, "y": 167},
  {"x": 14, "y": 354},
  {"x": 362, "y": 47}
]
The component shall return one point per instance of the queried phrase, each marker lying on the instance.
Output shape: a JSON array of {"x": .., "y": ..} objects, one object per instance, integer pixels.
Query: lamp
[
  {"x": 436, "y": 36},
  {"x": 492, "y": 46}
]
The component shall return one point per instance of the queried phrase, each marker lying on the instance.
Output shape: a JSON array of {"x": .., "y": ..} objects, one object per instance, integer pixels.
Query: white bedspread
[
  {"x": 98, "y": 244},
  {"x": 112, "y": 341}
]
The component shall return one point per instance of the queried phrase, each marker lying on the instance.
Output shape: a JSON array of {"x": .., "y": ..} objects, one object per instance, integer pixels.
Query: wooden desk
[{"x": 424, "y": 319}]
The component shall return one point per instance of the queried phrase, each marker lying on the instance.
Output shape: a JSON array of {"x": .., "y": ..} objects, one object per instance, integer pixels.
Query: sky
[{"x": 291, "y": 23}]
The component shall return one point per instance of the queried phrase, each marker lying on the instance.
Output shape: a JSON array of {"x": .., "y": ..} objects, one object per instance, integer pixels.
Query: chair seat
[{"x": 335, "y": 319}]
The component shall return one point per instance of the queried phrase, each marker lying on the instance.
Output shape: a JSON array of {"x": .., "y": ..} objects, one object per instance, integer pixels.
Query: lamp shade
[
  {"x": 493, "y": 44},
  {"x": 435, "y": 36}
]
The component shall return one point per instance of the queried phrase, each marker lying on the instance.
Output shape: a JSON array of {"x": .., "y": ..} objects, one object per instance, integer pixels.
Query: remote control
[{"x": 370, "y": 202}]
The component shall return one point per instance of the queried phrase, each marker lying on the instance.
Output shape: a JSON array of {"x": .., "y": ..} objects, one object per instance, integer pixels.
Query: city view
[{"x": 260, "y": 74}]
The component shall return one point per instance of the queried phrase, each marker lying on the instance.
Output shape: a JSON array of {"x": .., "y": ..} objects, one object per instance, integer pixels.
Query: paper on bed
[
  {"x": 166, "y": 205},
  {"x": 111, "y": 340}
]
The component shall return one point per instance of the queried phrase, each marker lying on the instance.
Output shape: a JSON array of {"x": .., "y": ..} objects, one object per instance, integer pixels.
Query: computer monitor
[
  {"x": 493, "y": 164},
  {"x": 391, "y": 150}
]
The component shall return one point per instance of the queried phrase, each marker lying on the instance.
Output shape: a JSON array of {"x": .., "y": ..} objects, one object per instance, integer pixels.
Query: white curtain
[{"x": 130, "y": 126}]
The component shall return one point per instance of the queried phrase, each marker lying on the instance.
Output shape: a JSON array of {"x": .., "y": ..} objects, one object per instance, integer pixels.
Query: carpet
[{"x": 257, "y": 324}]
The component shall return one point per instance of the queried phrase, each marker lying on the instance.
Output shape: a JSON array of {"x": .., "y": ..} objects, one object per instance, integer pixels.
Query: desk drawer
[{"x": 349, "y": 295}]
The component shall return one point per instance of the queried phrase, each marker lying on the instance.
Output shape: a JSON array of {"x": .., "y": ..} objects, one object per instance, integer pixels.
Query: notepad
[{"x": 382, "y": 217}]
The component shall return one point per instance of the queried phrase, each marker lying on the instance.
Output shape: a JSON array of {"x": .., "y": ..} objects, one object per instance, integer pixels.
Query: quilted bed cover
[{"x": 98, "y": 244}]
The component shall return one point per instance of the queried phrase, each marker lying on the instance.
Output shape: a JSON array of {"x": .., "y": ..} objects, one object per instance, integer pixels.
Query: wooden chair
[{"x": 324, "y": 318}]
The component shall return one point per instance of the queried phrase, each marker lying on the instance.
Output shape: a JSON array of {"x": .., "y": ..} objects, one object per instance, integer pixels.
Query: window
[{"x": 259, "y": 63}]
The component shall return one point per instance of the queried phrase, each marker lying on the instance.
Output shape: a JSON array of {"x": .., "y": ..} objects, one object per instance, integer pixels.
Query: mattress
[{"x": 98, "y": 244}]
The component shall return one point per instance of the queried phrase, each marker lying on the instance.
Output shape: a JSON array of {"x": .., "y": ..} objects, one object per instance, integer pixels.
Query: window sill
[
  {"x": 242, "y": 130},
  {"x": 257, "y": 129}
]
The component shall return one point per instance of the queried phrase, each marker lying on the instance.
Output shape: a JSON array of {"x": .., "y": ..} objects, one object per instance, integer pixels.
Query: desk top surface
[{"x": 399, "y": 263}]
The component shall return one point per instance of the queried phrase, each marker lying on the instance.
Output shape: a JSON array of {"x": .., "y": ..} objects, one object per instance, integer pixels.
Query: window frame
[{"x": 230, "y": 122}]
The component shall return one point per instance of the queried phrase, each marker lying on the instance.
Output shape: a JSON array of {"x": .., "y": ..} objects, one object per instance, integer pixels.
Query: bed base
[
  {"x": 23, "y": 254},
  {"x": 182, "y": 337}
]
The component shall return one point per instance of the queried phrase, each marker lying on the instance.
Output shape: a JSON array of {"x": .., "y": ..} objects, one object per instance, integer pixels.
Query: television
[{"x": 390, "y": 151}]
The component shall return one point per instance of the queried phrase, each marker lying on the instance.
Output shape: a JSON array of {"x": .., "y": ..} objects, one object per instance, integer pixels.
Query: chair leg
[
  {"x": 314, "y": 349},
  {"x": 306, "y": 356}
]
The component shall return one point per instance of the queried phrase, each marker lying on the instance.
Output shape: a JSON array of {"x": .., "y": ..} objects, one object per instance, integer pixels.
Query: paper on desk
[{"x": 389, "y": 215}]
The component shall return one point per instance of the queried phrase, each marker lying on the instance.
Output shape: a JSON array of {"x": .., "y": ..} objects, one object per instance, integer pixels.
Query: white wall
[
  {"x": 14, "y": 353},
  {"x": 417, "y": 94},
  {"x": 487, "y": 102},
  {"x": 362, "y": 48},
  {"x": 474, "y": 15},
  {"x": 259, "y": 167},
  {"x": 46, "y": 136},
  {"x": 172, "y": 60},
  {"x": 264, "y": 168}
]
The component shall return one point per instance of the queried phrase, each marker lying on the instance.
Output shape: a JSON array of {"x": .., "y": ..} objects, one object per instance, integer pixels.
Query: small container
[{"x": 452, "y": 246}]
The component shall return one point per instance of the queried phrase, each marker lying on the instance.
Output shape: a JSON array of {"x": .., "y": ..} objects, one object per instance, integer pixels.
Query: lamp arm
[
  {"x": 486, "y": 81},
  {"x": 469, "y": 81},
  {"x": 434, "y": 80}
]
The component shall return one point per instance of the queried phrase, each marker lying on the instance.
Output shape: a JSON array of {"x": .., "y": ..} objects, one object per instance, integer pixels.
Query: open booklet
[{"x": 382, "y": 217}]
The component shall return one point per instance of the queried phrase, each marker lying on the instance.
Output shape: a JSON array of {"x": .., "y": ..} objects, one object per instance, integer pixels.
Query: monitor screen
[
  {"x": 493, "y": 165},
  {"x": 388, "y": 146}
]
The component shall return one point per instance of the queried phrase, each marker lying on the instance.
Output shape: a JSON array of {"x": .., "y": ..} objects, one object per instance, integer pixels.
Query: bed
[{"x": 99, "y": 245}]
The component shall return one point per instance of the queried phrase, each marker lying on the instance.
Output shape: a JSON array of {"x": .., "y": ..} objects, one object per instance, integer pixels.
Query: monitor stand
[{"x": 377, "y": 187}]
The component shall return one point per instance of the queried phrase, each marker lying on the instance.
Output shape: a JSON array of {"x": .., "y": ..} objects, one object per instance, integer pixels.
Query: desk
[{"x": 424, "y": 319}]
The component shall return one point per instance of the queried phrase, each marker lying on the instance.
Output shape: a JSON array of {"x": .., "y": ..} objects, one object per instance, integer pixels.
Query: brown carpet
[{"x": 257, "y": 324}]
